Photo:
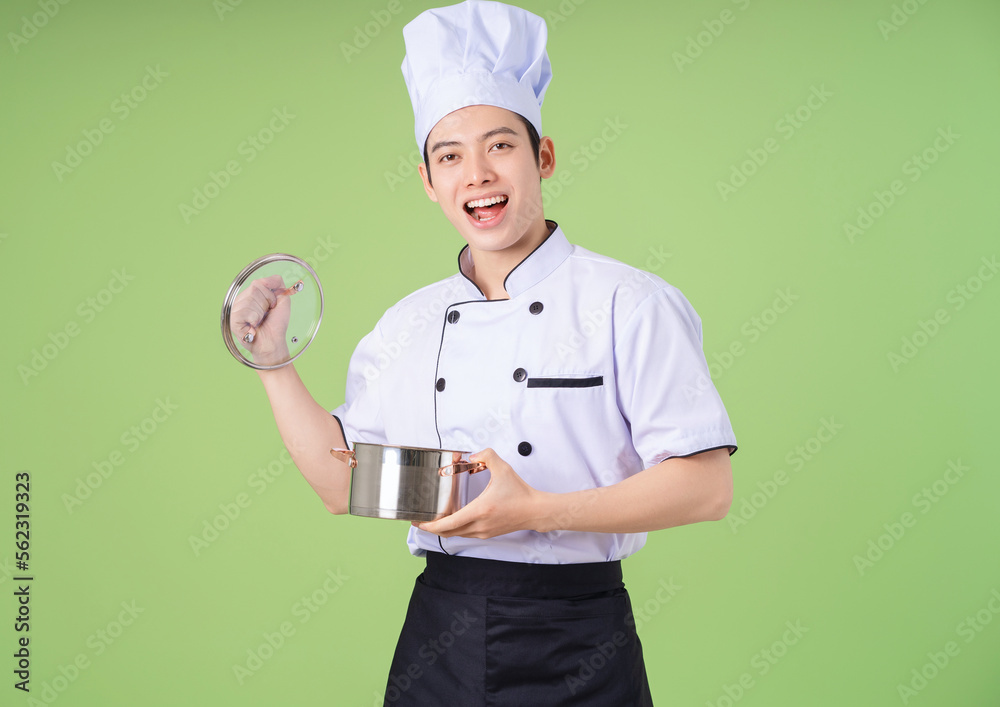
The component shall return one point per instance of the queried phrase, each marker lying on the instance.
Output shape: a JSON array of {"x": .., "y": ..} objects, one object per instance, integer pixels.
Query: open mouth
[{"x": 487, "y": 209}]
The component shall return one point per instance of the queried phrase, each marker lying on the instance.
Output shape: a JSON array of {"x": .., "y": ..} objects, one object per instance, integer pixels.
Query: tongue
[{"x": 484, "y": 213}]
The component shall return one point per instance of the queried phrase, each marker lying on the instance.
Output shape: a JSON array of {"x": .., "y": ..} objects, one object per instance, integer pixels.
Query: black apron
[{"x": 486, "y": 632}]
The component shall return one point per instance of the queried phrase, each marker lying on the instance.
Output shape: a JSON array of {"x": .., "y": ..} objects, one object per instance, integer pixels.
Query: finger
[
  {"x": 484, "y": 455},
  {"x": 450, "y": 524},
  {"x": 243, "y": 319},
  {"x": 263, "y": 290},
  {"x": 253, "y": 302},
  {"x": 253, "y": 305},
  {"x": 437, "y": 527},
  {"x": 274, "y": 282},
  {"x": 492, "y": 460}
]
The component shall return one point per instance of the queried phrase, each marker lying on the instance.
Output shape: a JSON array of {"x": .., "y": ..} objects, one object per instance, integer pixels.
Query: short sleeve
[
  {"x": 664, "y": 388},
  {"x": 361, "y": 414}
]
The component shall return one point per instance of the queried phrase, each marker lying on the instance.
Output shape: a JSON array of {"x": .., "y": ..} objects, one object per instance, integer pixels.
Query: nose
[{"x": 478, "y": 170}]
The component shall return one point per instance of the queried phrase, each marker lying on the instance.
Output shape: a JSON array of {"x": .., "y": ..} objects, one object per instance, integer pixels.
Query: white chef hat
[{"x": 475, "y": 53}]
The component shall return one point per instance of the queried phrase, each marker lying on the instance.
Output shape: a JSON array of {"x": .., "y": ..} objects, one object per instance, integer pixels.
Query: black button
[
  {"x": 453, "y": 316},
  {"x": 536, "y": 307},
  {"x": 520, "y": 374},
  {"x": 440, "y": 384},
  {"x": 524, "y": 449}
]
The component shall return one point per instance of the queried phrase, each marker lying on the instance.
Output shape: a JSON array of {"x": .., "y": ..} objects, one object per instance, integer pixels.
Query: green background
[{"x": 335, "y": 186}]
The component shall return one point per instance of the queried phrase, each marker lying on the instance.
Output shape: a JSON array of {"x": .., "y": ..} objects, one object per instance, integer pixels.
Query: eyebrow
[{"x": 503, "y": 130}]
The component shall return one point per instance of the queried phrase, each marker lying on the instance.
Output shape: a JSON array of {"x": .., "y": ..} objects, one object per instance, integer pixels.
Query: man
[{"x": 584, "y": 377}]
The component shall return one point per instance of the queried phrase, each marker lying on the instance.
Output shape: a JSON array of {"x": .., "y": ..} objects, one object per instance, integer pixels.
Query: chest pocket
[{"x": 578, "y": 382}]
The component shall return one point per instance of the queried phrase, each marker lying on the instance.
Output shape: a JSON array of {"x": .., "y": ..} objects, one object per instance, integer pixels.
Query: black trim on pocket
[{"x": 590, "y": 382}]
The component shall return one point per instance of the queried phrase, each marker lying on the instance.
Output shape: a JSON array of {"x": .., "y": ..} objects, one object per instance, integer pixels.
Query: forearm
[
  {"x": 675, "y": 492},
  {"x": 309, "y": 432}
]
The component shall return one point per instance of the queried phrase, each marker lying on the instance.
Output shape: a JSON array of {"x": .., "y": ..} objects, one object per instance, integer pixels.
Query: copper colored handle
[
  {"x": 346, "y": 456},
  {"x": 471, "y": 467}
]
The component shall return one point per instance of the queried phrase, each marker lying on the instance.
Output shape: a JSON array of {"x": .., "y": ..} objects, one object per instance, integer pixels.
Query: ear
[
  {"x": 546, "y": 157},
  {"x": 422, "y": 168}
]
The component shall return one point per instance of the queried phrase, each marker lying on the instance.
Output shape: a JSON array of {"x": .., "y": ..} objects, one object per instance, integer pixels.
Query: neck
[{"x": 491, "y": 267}]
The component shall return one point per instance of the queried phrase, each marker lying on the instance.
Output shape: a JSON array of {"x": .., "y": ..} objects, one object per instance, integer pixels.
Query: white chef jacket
[{"x": 592, "y": 371}]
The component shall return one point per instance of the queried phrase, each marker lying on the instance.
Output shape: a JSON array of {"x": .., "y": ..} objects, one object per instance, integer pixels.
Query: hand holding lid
[{"x": 272, "y": 311}]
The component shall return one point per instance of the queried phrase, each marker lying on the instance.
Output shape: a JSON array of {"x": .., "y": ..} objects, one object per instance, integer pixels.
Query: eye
[
  {"x": 500, "y": 145},
  {"x": 450, "y": 157}
]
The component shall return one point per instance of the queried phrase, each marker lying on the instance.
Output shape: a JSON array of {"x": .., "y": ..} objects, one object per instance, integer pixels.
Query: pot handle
[
  {"x": 459, "y": 467},
  {"x": 346, "y": 456}
]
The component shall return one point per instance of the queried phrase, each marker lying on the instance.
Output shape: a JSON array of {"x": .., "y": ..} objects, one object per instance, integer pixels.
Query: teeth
[{"x": 485, "y": 202}]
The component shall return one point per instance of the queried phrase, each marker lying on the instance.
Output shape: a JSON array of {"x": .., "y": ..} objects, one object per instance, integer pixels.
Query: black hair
[{"x": 532, "y": 137}]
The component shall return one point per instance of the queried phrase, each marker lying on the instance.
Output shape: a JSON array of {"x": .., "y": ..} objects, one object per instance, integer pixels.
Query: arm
[
  {"x": 677, "y": 491},
  {"x": 309, "y": 432}
]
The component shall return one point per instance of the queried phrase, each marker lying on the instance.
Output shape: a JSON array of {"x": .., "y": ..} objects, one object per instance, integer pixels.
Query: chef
[{"x": 580, "y": 381}]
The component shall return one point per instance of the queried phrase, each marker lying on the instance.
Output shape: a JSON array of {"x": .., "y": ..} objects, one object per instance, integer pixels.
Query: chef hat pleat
[{"x": 475, "y": 53}]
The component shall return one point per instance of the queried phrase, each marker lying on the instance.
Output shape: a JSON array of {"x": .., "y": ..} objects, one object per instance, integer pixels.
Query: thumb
[{"x": 490, "y": 458}]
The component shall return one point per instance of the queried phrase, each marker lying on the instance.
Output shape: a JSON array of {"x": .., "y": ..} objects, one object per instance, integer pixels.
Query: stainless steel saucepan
[{"x": 407, "y": 483}]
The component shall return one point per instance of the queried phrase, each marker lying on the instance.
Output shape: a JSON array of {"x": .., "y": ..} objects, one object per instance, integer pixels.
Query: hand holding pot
[
  {"x": 406, "y": 483},
  {"x": 507, "y": 504}
]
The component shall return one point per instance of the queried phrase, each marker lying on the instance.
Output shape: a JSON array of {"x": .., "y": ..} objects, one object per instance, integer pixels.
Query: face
[{"x": 487, "y": 181}]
